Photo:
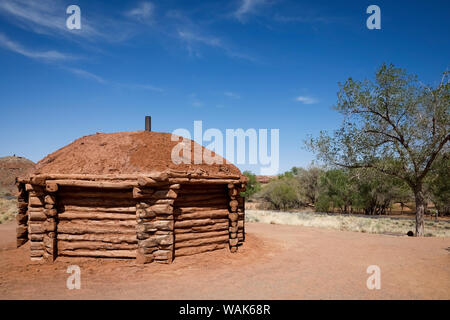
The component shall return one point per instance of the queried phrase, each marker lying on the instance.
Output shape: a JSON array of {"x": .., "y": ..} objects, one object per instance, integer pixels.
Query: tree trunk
[{"x": 420, "y": 211}]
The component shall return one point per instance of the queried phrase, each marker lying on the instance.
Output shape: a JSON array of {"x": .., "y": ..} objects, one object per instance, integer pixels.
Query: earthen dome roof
[{"x": 125, "y": 153}]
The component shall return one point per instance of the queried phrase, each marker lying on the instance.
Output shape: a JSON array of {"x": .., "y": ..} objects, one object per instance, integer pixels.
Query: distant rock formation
[
  {"x": 264, "y": 179},
  {"x": 10, "y": 168}
]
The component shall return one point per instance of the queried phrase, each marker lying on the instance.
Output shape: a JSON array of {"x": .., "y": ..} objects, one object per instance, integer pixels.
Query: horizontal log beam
[
  {"x": 157, "y": 176},
  {"x": 182, "y": 210},
  {"x": 95, "y": 215},
  {"x": 99, "y": 253},
  {"x": 191, "y": 236},
  {"x": 86, "y": 222},
  {"x": 68, "y": 193},
  {"x": 96, "y": 202},
  {"x": 103, "y": 237},
  {"x": 199, "y": 222},
  {"x": 207, "y": 228},
  {"x": 88, "y": 229},
  {"x": 96, "y": 184},
  {"x": 210, "y": 190},
  {"x": 201, "y": 241},
  {"x": 203, "y": 203},
  {"x": 202, "y": 197},
  {"x": 125, "y": 210},
  {"x": 194, "y": 250},
  {"x": 94, "y": 245},
  {"x": 210, "y": 214}
]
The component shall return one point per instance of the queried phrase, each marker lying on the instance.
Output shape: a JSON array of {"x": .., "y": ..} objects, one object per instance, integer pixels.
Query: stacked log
[
  {"x": 241, "y": 220},
  {"x": 150, "y": 217},
  {"x": 51, "y": 213},
  {"x": 37, "y": 227},
  {"x": 201, "y": 219},
  {"x": 155, "y": 224},
  {"x": 236, "y": 216},
  {"x": 96, "y": 221},
  {"x": 22, "y": 216}
]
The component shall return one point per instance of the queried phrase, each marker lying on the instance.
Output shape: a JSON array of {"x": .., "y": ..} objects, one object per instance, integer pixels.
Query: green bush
[
  {"x": 253, "y": 185},
  {"x": 283, "y": 193}
]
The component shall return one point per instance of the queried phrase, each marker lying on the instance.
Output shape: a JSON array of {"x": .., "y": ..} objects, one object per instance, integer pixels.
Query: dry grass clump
[
  {"x": 8, "y": 209},
  {"x": 376, "y": 224}
]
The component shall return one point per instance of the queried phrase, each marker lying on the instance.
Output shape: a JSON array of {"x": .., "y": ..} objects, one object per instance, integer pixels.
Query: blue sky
[{"x": 235, "y": 64}]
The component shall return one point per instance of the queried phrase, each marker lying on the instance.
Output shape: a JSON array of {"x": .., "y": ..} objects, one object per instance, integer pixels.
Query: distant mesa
[
  {"x": 264, "y": 179},
  {"x": 10, "y": 168}
]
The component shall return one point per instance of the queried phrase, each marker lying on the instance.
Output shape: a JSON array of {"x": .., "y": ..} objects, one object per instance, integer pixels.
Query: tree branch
[{"x": 433, "y": 157}]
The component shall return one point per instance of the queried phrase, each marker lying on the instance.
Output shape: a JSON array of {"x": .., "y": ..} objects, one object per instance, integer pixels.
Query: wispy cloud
[
  {"x": 195, "y": 101},
  {"x": 193, "y": 40},
  {"x": 48, "y": 17},
  {"x": 307, "y": 100},
  {"x": 189, "y": 37},
  {"x": 247, "y": 7},
  {"x": 232, "y": 95},
  {"x": 141, "y": 86},
  {"x": 18, "y": 48},
  {"x": 86, "y": 74},
  {"x": 58, "y": 57},
  {"x": 44, "y": 17},
  {"x": 143, "y": 12},
  {"x": 306, "y": 19}
]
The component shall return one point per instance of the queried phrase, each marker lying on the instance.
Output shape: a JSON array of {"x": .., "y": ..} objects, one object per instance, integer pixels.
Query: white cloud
[
  {"x": 247, "y": 7},
  {"x": 232, "y": 95},
  {"x": 86, "y": 74},
  {"x": 195, "y": 101},
  {"x": 44, "y": 17},
  {"x": 307, "y": 100},
  {"x": 144, "y": 11},
  {"x": 142, "y": 87},
  {"x": 194, "y": 39},
  {"x": 190, "y": 38},
  {"x": 18, "y": 48},
  {"x": 49, "y": 17}
]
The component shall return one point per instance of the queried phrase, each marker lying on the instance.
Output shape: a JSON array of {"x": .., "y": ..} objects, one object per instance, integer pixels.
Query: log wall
[
  {"x": 96, "y": 222},
  {"x": 155, "y": 224},
  {"x": 148, "y": 217},
  {"x": 22, "y": 216},
  {"x": 201, "y": 219}
]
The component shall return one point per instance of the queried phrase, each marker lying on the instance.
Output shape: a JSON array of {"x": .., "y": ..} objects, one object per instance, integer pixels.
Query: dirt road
[{"x": 276, "y": 262}]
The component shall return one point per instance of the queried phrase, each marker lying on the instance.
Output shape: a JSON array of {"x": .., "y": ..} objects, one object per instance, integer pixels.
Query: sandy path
[{"x": 276, "y": 262}]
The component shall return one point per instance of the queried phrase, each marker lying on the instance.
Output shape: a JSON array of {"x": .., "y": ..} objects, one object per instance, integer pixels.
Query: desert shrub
[
  {"x": 283, "y": 193},
  {"x": 8, "y": 209},
  {"x": 253, "y": 185},
  {"x": 439, "y": 185}
]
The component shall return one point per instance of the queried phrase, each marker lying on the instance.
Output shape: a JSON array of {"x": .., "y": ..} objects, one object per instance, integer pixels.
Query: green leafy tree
[
  {"x": 376, "y": 195},
  {"x": 439, "y": 185},
  {"x": 394, "y": 125},
  {"x": 309, "y": 180},
  {"x": 253, "y": 185},
  {"x": 283, "y": 193},
  {"x": 336, "y": 191}
]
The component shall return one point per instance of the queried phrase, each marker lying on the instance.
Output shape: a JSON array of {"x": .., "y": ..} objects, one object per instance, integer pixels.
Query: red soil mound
[{"x": 124, "y": 153}]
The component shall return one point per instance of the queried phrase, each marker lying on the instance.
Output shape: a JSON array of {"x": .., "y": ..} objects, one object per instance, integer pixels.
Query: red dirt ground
[{"x": 276, "y": 262}]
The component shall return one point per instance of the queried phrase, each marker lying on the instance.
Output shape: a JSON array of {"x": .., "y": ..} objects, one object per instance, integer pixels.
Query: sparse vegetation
[
  {"x": 393, "y": 125},
  {"x": 8, "y": 209},
  {"x": 253, "y": 186},
  {"x": 377, "y": 224}
]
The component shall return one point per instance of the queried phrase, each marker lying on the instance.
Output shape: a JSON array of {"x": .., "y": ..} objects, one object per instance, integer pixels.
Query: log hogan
[{"x": 119, "y": 195}]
